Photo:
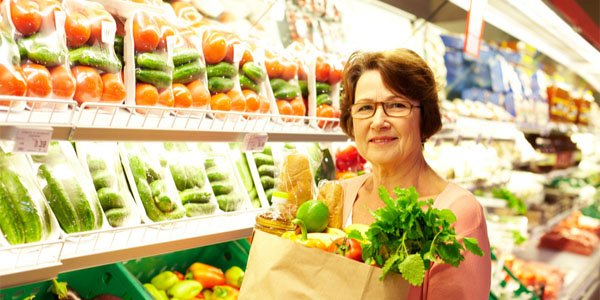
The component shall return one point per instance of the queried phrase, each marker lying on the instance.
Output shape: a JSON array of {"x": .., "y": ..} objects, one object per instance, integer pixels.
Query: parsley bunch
[{"x": 405, "y": 237}]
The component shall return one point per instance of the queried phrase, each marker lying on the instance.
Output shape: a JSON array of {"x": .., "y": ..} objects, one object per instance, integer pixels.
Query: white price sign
[
  {"x": 254, "y": 142},
  {"x": 32, "y": 140}
]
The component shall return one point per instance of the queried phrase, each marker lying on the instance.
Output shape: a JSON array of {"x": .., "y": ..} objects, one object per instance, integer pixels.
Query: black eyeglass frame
[{"x": 411, "y": 106}]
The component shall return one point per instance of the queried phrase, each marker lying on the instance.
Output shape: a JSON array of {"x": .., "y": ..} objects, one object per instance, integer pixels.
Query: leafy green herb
[
  {"x": 409, "y": 234},
  {"x": 513, "y": 202},
  {"x": 519, "y": 239}
]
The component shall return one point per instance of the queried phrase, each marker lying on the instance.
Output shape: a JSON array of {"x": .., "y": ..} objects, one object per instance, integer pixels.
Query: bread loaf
[
  {"x": 332, "y": 194},
  {"x": 296, "y": 179}
]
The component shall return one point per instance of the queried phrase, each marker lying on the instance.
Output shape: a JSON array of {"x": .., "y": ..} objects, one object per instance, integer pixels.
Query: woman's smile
[{"x": 382, "y": 140}]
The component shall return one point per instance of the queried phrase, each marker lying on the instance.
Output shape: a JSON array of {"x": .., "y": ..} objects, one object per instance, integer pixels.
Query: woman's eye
[
  {"x": 366, "y": 107},
  {"x": 398, "y": 105}
]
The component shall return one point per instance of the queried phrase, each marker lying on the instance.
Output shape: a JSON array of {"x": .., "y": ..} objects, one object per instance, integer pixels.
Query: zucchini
[
  {"x": 26, "y": 209},
  {"x": 246, "y": 83},
  {"x": 11, "y": 225},
  {"x": 110, "y": 198},
  {"x": 222, "y": 188},
  {"x": 220, "y": 85},
  {"x": 188, "y": 72},
  {"x": 156, "y": 78},
  {"x": 152, "y": 61},
  {"x": 267, "y": 170},
  {"x": 199, "y": 209},
  {"x": 324, "y": 99},
  {"x": 222, "y": 69},
  {"x": 253, "y": 71},
  {"x": 59, "y": 202},
  {"x": 152, "y": 210},
  {"x": 263, "y": 159},
  {"x": 117, "y": 216},
  {"x": 83, "y": 208},
  {"x": 194, "y": 195},
  {"x": 278, "y": 83},
  {"x": 184, "y": 55},
  {"x": 287, "y": 93}
]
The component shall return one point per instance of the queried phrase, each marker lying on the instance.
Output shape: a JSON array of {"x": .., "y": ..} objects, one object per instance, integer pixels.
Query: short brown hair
[{"x": 403, "y": 72}]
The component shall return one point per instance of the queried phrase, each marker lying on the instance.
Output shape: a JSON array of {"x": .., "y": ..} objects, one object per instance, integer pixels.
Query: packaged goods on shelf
[
  {"x": 151, "y": 182},
  {"x": 68, "y": 189},
  {"x": 266, "y": 165},
  {"x": 26, "y": 216},
  {"x": 40, "y": 37},
  {"x": 252, "y": 77},
  {"x": 104, "y": 164},
  {"x": 283, "y": 80},
  {"x": 576, "y": 233},
  {"x": 15, "y": 81},
  {"x": 248, "y": 175},
  {"x": 296, "y": 177}
]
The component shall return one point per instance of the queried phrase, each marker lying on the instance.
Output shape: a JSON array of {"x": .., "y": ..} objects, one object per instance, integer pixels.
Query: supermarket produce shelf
[
  {"x": 478, "y": 129},
  {"x": 46, "y": 260}
]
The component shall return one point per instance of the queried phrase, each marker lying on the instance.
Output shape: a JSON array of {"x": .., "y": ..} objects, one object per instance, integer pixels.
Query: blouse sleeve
[{"x": 472, "y": 279}]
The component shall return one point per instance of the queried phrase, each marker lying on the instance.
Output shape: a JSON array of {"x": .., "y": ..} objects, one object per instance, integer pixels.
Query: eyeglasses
[{"x": 364, "y": 110}]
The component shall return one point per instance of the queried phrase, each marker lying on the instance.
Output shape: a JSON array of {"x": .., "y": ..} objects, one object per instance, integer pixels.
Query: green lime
[{"x": 314, "y": 214}]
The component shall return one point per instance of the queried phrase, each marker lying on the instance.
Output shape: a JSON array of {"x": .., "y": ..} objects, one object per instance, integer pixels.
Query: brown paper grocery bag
[{"x": 282, "y": 269}]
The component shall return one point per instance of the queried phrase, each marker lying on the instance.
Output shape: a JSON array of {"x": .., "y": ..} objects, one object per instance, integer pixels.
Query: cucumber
[
  {"x": 267, "y": 150},
  {"x": 220, "y": 85},
  {"x": 246, "y": 83},
  {"x": 75, "y": 54},
  {"x": 27, "y": 211},
  {"x": 228, "y": 202},
  {"x": 253, "y": 194},
  {"x": 158, "y": 187},
  {"x": 253, "y": 71},
  {"x": 99, "y": 59},
  {"x": 195, "y": 175},
  {"x": 152, "y": 210},
  {"x": 83, "y": 208},
  {"x": 138, "y": 168},
  {"x": 110, "y": 198},
  {"x": 152, "y": 174},
  {"x": 269, "y": 194},
  {"x": 222, "y": 188},
  {"x": 95, "y": 164},
  {"x": 11, "y": 225},
  {"x": 117, "y": 216},
  {"x": 119, "y": 45},
  {"x": 303, "y": 87},
  {"x": 59, "y": 202},
  {"x": 263, "y": 159},
  {"x": 324, "y": 99},
  {"x": 215, "y": 176},
  {"x": 323, "y": 88},
  {"x": 267, "y": 182},
  {"x": 102, "y": 179},
  {"x": 244, "y": 171},
  {"x": 156, "y": 78},
  {"x": 178, "y": 213},
  {"x": 99, "y": 219},
  {"x": 277, "y": 84},
  {"x": 179, "y": 176},
  {"x": 222, "y": 69},
  {"x": 184, "y": 55},
  {"x": 188, "y": 72},
  {"x": 199, "y": 209},
  {"x": 194, "y": 195},
  {"x": 164, "y": 202},
  {"x": 267, "y": 170},
  {"x": 209, "y": 163},
  {"x": 287, "y": 93},
  {"x": 152, "y": 61}
]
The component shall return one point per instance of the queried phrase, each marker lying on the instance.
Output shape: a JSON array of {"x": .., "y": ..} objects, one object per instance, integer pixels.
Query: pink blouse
[{"x": 472, "y": 279}]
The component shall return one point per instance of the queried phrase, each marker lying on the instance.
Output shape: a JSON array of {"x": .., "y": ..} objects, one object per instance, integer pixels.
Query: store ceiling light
[{"x": 536, "y": 24}]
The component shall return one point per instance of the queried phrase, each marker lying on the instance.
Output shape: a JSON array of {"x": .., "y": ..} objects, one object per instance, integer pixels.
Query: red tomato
[
  {"x": 289, "y": 69},
  {"x": 114, "y": 89},
  {"x": 182, "y": 95},
  {"x": 12, "y": 82},
  {"x": 322, "y": 70},
  {"x": 165, "y": 30},
  {"x": 47, "y": 9},
  {"x": 63, "y": 83},
  {"x": 146, "y": 34},
  {"x": 302, "y": 70},
  {"x": 335, "y": 75},
  {"x": 77, "y": 29},
  {"x": 214, "y": 47},
  {"x": 324, "y": 111},
  {"x": 39, "y": 81},
  {"x": 347, "y": 247},
  {"x": 89, "y": 84},
  {"x": 274, "y": 67},
  {"x": 231, "y": 40},
  {"x": 25, "y": 16},
  {"x": 96, "y": 20}
]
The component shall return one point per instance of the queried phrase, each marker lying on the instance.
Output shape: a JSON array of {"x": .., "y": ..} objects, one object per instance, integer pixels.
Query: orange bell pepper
[{"x": 207, "y": 275}]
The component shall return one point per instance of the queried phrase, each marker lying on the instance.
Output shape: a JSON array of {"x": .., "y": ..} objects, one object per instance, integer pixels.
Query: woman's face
[{"x": 385, "y": 141}]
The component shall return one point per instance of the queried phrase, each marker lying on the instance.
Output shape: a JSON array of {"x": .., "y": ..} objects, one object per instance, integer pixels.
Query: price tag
[
  {"x": 32, "y": 140},
  {"x": 108, "y": 32},
  {"x": 254, "y": 142},
  {"x": 474, "y": 30}
]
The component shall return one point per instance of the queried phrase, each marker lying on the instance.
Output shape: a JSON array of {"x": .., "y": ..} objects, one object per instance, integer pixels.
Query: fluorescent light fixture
[{"x": 536, "y": 24}]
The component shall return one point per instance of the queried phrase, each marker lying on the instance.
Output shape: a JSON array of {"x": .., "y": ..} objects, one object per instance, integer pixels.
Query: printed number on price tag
[
  {"x": 32, "y": 140},
  {"x": 254, "y": 142}
]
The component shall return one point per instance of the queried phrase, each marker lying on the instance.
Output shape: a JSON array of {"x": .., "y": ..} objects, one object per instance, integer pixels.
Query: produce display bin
[
  {"x": 108, "y": 279},
  {"x": 223, "y": 256}
]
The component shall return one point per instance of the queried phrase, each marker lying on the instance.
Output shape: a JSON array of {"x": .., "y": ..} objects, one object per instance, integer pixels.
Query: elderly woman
[{"x": 390, "y": 108}]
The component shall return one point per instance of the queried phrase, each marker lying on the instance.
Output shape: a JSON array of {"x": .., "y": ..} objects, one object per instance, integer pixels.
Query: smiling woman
[{"x": 390, "y": 137}]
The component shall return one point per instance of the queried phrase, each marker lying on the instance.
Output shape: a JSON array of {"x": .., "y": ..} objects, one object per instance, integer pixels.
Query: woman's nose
[{"x": 379, "y": 118}]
